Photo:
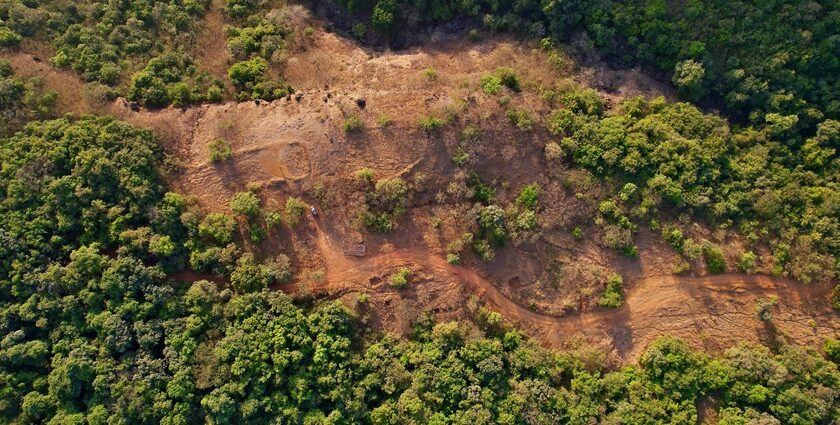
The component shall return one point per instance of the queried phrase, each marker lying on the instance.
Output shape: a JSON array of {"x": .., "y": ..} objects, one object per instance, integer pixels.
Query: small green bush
[
  {"x": 508, "y": 78},
  {"x": 295, "y": 208},
  {"x": 470, "y": 134},
  {"x": 612, "y": 297},
  {"x": 273, "y": 219},
  {"x": 381, "y": 222},
  {"x": 430, "y": 123},
  {"x": 383, "y": 121},
  {"x": 359, "y": 30},
  {"x": 257, "y": 232},
  {"x": 483, "y": 249},
  {"x": 764, "y": 308},
  {"x": 747, "y": 262},
  {"x": 832, "y": 349},
  {"x": 400, "y": 279},
  {"x": 461, "y": 157},
  {"x": 453, "y": 258},
  {"x": 220, "y": 150},
  {"x": 714, "y": 258},
  {"x": 430, "y": 74},
  {"x": 520, "y": 118},
  {"x": 490, "y": 84},
  {"x": 353, "y": 124},
  {"x": 529, "y": 196},
  {"x": 365, "y": 175}
]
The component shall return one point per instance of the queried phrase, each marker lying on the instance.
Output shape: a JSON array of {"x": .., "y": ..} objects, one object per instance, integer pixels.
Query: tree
[
  {"x": 492, "y": 224},
  {"x": 248, "y": 276},
  {"x": 384, "y": 16},
  {"x": 246, "y": 204},
  {"x": 246, "y": 74},
  {"x": 217, "y": 227},
  {"x": 688, "y": 78}
]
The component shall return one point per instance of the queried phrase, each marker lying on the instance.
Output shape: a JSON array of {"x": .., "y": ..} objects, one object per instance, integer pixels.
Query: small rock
[
  {"x": 361, "y": 103},
  {"x": 298, "y": 96}
]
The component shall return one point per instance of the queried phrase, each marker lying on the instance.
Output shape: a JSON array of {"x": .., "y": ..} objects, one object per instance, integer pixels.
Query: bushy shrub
[
  {"x": 431, "y": 123},
  {"x": 246, "y": 204},
  {"x": 747, "y": 262},
  {"x": 359, "y": 30},
  {"x": 220, "y": 150},
  {"x": 612, "y": 297},
  {"x": 400, "y": 279},
  {"x": 713, "y": 256},
  {"x": 353, "y": 124},
  {"x": 8, "y": 38},
  {"x": 295, "y": 208},
  {"x": 280, "y": 268},
  {"x": 249, "y": 276},
  {"x": 491, "y": 84},
  {"x": 250, "y": 78},
  {"x": 217, "y": 227},
  {"x": 507, "y": 77},
  {"x": 365, "y": 175},
  {"x": 528, "y": 196}
]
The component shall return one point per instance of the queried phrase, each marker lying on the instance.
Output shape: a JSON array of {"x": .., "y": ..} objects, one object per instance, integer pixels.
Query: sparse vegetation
[
  {"x": 431, "y": 123},
  {"x": 383, "y": 121},
  {"x": 430, "y": 74}
]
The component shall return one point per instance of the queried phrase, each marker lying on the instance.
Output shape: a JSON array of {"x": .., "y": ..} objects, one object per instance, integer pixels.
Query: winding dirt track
[{"x": 720, "y": 308}]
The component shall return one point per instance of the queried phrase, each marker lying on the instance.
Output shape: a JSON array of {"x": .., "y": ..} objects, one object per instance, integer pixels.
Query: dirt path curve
[{"x": 720, "y": 307}]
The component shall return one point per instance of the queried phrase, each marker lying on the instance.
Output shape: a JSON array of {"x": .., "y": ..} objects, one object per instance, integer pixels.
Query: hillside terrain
[{"x": 241, "y": 212}]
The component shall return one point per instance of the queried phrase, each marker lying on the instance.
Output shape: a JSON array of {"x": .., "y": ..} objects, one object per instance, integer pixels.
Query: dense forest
[
  {"x": 93, "y": 328},
  {"x": 672, "y": 157}
]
